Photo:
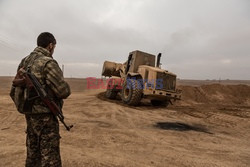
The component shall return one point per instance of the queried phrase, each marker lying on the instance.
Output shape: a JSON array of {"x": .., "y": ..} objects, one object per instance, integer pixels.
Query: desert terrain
[{"x": 209, "y": 127}]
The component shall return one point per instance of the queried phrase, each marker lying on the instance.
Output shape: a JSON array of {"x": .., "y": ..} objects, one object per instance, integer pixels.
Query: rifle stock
[{"x": 31, "y": 81}]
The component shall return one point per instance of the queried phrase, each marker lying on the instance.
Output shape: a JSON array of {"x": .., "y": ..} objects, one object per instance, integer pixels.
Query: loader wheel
[
  {"x": 159, "y": 103},
  {"x": 131, "y": 92},
  {"x": 111, "y": 93}
]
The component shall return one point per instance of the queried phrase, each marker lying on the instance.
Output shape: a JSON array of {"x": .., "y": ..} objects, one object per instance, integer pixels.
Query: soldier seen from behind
[{"x": 43, "y": 137}]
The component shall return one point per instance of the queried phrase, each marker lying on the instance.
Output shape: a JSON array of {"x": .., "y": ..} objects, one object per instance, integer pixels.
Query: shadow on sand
[
  {"x": 177, "y": 126},
  {"x": 146, "y": 105}
]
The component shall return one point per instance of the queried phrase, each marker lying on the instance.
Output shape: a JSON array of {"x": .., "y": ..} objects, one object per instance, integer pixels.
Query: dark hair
[{"x": 45, "y": 38}]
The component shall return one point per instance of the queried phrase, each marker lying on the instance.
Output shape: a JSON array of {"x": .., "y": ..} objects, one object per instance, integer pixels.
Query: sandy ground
[{"x": 209, "y": 127}]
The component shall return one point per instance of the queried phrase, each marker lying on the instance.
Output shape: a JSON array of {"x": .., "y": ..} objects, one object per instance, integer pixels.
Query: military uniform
[{"x": 43, "y": 137}]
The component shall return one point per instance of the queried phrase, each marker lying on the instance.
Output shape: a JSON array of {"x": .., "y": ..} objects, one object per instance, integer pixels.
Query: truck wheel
[
  {"x": 111, "y": 93},
  {"x": 159, "y": 103},
  {"x": 131, "y": 92}
]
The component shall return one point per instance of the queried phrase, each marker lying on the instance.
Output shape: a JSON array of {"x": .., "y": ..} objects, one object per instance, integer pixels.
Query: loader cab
[{"x": 137, "y": 58}]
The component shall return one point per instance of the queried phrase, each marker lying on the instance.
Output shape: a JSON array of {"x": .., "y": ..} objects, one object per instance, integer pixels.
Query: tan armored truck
[{"x": 140, "y": 77}]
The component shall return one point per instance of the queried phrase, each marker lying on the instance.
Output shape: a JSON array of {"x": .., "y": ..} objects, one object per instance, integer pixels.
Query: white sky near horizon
[{"x": 198, "y": 39}]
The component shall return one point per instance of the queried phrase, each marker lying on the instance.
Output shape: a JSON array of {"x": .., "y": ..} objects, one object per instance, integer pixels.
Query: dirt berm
[{"x": 216, "y": 94}]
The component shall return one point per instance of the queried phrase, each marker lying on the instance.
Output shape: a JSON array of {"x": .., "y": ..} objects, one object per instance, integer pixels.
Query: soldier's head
[{"x": 47, "y": 41}]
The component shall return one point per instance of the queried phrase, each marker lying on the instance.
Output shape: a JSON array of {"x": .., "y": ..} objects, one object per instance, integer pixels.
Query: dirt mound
[{"x": 217, "y": 93}]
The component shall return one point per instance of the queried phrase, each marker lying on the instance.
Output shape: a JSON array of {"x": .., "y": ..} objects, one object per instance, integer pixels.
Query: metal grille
[{"x": 168, "y": 81}]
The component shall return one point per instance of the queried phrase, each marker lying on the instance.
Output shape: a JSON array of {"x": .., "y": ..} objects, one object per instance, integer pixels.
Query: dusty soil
[{"x": 209, "y": 127}]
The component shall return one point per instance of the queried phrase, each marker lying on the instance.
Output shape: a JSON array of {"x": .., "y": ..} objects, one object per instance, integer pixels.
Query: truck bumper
[{"x": 162, "y": 94}]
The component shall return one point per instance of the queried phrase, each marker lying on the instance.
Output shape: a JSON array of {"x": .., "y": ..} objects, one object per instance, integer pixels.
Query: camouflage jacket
[{"x": 49, "y": 74}]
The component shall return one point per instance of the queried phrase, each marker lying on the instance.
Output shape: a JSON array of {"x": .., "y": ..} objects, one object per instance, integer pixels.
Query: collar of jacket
[{"x": 44, "y": 51}]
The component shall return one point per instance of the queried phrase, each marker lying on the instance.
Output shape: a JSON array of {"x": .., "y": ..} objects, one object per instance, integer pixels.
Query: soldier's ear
[{"x": 51, "y": 46}]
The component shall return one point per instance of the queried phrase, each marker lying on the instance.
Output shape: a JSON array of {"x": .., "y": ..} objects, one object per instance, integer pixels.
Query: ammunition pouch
[
  {"x": 23, "y": 99},
  {"x": 22, "y": 94}
]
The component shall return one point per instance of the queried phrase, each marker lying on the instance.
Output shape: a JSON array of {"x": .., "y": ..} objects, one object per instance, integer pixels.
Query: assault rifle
[{"x": 32, "y": 82}]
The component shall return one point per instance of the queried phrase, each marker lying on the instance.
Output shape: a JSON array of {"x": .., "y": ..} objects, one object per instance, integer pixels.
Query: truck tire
[
  {"x": 111, "y": 93},
  {"x": 131, "y": 92},
  {"x": 159, "y": 103}
]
